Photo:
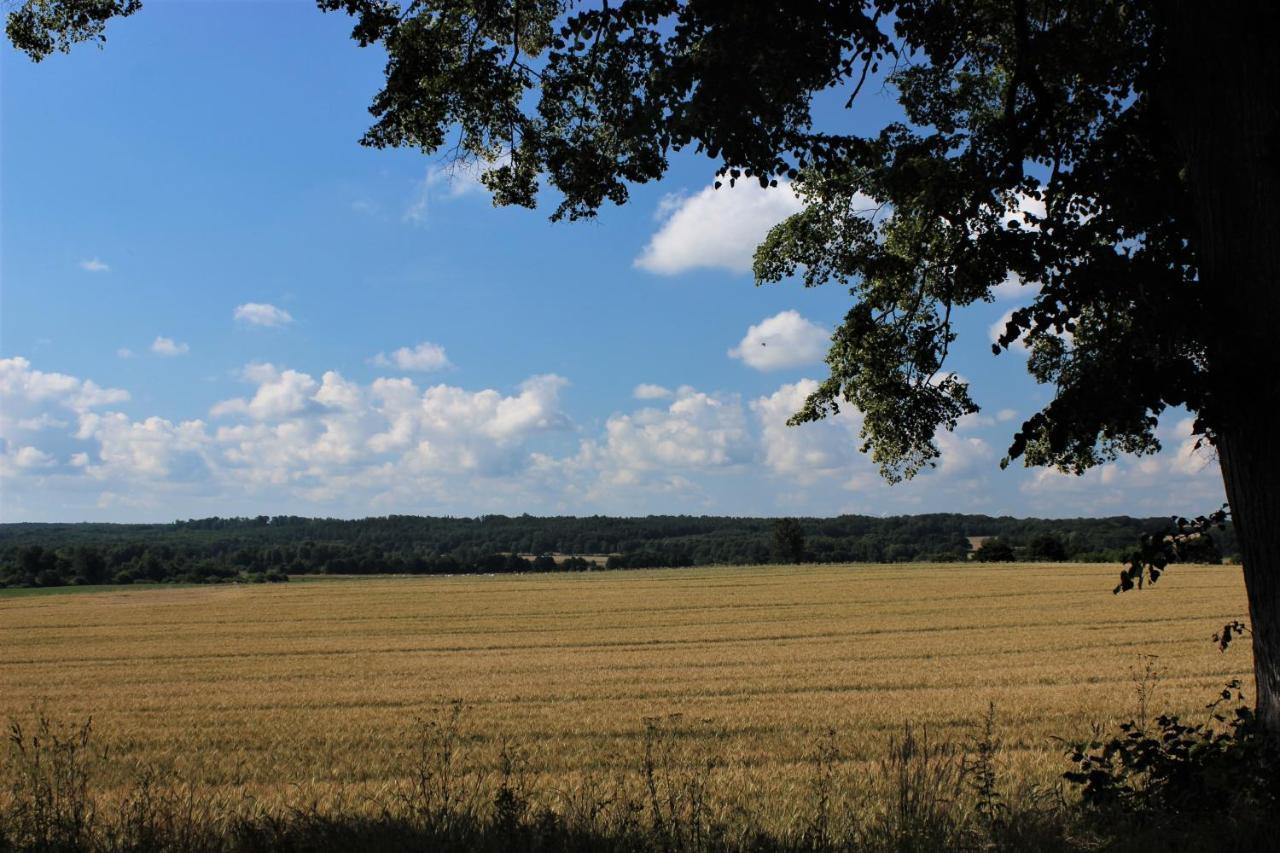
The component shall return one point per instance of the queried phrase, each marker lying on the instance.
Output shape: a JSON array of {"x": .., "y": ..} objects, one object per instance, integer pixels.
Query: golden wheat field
[{"x": 316, "y": 684}]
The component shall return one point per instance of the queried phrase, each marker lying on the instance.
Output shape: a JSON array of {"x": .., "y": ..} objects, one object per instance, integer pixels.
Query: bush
[{"x": 1222, "y": 770}]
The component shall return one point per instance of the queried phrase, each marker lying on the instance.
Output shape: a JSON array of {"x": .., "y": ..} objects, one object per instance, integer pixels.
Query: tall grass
[{"x": 920, "y": 794}]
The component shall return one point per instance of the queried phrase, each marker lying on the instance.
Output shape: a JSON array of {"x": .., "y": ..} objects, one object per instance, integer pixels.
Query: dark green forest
[{"x": 270, "y": 548}]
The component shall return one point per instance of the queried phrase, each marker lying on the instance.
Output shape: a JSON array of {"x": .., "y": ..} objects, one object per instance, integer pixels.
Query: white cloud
[
  {"x": 31, "y": 457},
  {"x": 646, "y": 391},
  {"x": 262, "y": 314},
  {"x": 124, "y": 352},
  {"x": 445, "y": 182},
  {"x": 426, "y": 356},
  {"x": 697, "y": 431},
  {"x": 960, "y": 454},
  {"x": 37, "y": 410},
  {"x": 784, "y": 340},
  {"x": 337, "y": 393},
  {"x": 280, "y": 394},
  {"x": 1013, "y": 287},
  {"x": 94, "y": 265},
  {"x": 716, "y": 228},
  {"x": 319, "y": 445},
  {"x": 316, "y": 437},
  {"x": 808, "y": 452},
  {"x": 168, "y": 347},
  {"x": 23, "y": 387},
  {"x": 152, "y": 449}
]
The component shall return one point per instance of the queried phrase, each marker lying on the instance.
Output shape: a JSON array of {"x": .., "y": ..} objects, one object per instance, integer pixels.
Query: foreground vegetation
[
  {"x": 919, "y": 795},
  {"x": 276, "y": 715},
  {"x": 213, "y": 550}
]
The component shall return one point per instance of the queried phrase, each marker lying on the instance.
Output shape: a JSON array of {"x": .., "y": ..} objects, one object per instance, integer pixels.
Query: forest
[{"x": 270, "y": 548}]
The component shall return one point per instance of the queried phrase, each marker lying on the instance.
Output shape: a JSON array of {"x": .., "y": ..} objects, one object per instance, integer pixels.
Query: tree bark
[
  {"x": 1251, "y": 472},
  {"x": 1223, "y": 88}
]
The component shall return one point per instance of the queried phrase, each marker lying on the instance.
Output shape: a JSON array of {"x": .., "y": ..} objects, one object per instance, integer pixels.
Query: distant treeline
[{"x": 272, "y": 548}]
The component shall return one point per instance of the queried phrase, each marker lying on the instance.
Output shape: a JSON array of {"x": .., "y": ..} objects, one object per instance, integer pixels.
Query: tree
[
  {"x": 88, "y": 565},
  {"x": 1117, "y": 157},
  {"x": 40, "y": 27},
  {"x": 1048, "y": 547},
  {"x": 788, "y": 540},
  {"x": 994, "y": 550}
]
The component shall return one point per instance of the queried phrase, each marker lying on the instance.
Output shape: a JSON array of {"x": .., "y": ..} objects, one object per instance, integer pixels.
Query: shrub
[{"x": 1224, "y": 769}]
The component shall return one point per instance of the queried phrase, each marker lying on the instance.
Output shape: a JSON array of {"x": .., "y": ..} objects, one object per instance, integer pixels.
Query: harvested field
[{"x": 317, "y": 683}]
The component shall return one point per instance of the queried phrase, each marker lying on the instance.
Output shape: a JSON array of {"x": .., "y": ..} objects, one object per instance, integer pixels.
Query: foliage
[
  {"x": 1183, "y": 771},
  {"x": 217, "y": 550},
  {"x": 788, "y": 540},
  {"x": 49, "y": 786},
  {"x": 1189, "y": 541},
  {"x": 1048, "y": 548},
  {"x": 994, "y": 550},
  {"x": 41, "y": 27}
]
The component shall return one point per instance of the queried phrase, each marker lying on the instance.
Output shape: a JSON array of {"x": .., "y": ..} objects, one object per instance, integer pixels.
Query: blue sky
[{"x": 213, "y": 301}]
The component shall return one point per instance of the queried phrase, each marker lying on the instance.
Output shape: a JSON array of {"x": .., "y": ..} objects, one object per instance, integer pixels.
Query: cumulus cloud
[
  {"x": 95, "y": 265},
  {"x": 425, "y": 357},
  {"x": 784, "y": 340},
  {"x": 301, "y": 438},
  {"x": 716, "y": 228},
  {"x": 23, "y": 387},
  {"x": 262, "y": 314},
  {"x": 39, "y": 412},
  {"x": 697, "y": 430},
  {"x": 280, "y": 393},
  {"x": 317, "y": 436},
  {"x": 315, "y": 443},
  {"x": 646, "y": 391},
  {"x": 808, "y": 452},
  {"x": 148, "y": 450},
  {"x": 670, "y": 451},
  {"x": 168, "y": 347},
  {"x": 22, "y": 460}
]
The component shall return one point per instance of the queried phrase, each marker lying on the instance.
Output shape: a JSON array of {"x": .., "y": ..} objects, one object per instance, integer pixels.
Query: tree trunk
[
  {"x": 1251, "y": 472},
  {"x": 1223, "y": 91}
]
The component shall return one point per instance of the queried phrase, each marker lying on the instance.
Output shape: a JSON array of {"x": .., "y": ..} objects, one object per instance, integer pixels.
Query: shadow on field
[{"x": 1153, "y": 786}]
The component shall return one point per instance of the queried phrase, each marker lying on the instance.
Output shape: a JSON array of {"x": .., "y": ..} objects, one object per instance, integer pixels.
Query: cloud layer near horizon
[{"x": 327, "y": 445}]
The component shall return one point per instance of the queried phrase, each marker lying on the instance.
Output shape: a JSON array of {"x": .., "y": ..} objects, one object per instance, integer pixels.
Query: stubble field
[{"x": 304, "y": 689}]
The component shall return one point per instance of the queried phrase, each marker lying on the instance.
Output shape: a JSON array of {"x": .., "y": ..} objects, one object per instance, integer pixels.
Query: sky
[{"x": 213, "y": 301}]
